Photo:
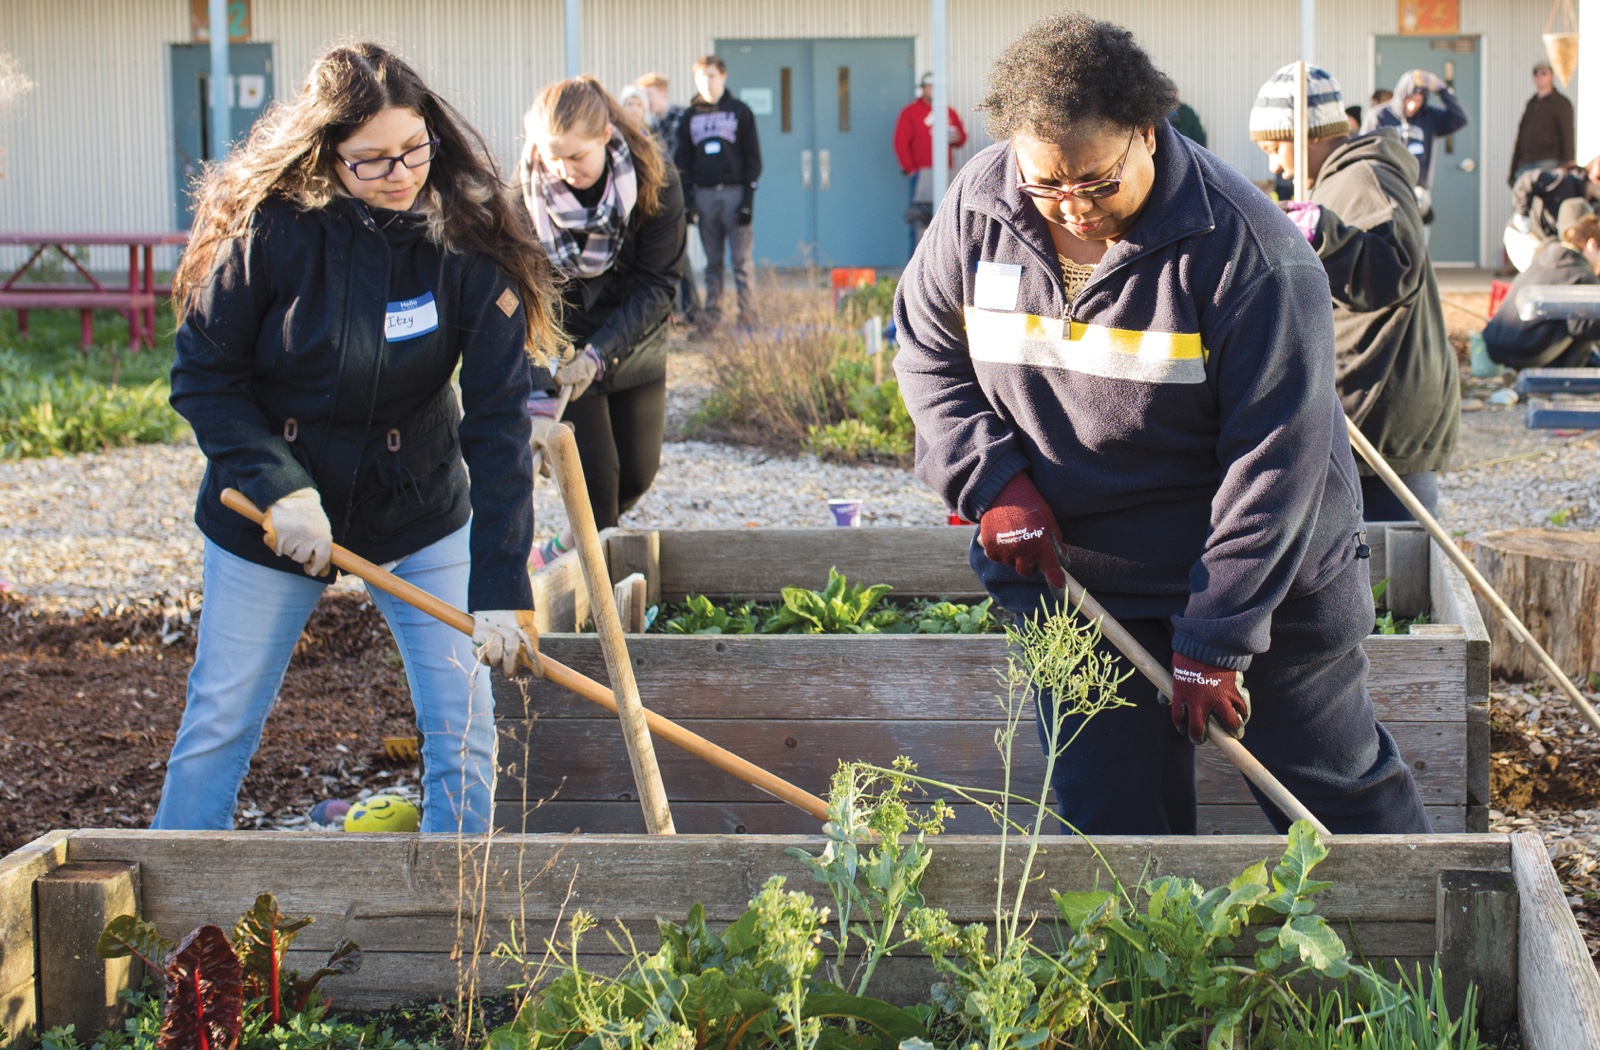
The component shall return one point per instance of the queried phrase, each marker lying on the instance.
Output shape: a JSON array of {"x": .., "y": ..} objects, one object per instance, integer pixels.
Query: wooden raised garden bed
[
  {"x": 798, "y": 704},
  {"x": 428, "y": 910}
]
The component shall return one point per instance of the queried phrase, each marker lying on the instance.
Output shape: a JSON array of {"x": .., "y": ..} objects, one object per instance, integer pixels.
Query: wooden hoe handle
[
  {"x": 1161, "y": 678},
  {"x": 562, "y": 448},
  {"x": 1375, "y": 459},
  {"x": 561, "y": 674}
]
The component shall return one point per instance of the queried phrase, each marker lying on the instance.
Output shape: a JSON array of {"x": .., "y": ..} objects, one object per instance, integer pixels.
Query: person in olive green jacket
[{"x": 1396, "y": 371}]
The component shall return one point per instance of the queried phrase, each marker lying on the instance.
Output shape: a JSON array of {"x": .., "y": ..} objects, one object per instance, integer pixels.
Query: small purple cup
[{"x": 846, "y": 512}]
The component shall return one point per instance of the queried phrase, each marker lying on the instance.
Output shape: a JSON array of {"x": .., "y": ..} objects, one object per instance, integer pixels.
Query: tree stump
[{"x": 1551, "y": 579}]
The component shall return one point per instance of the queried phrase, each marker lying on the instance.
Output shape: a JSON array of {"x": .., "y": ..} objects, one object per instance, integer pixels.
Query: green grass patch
[{"x": 57, "y": 398}]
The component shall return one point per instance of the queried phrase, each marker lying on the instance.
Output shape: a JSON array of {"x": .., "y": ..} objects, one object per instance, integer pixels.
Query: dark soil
[{"x": 89, "y": 708}]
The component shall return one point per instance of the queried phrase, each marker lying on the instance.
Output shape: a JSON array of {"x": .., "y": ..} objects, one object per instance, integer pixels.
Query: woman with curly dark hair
[
  {"x": 346, "y": 260},
  {"x": 1117, "y": 351}
]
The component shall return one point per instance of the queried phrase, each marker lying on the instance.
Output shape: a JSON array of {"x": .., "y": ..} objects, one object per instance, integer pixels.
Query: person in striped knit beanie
[{"x": 1395, "y": 370}]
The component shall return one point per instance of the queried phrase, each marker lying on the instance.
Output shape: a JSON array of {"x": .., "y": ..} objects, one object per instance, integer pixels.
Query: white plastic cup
[{"x": 846, "y": 512}]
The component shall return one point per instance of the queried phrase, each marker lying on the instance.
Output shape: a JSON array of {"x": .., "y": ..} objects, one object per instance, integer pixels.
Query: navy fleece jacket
[{"x": 1179, "y": 415}]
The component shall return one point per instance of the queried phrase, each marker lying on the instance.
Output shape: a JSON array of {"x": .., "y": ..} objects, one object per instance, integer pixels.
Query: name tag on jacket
[
  {"x": 410, "y": 318},
  {"x": 997, "y": 286}
]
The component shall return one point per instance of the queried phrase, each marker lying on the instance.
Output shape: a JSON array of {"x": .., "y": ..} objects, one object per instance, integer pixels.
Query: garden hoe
[
  {"x": 561, "y": 674},
  {"x": 1381, "y": 466},
  {"x": 562, "y": 449},
  {"x": 1078, "y": 598}
]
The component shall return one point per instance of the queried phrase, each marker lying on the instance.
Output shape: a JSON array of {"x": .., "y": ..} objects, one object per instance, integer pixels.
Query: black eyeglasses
[
  {"x": 380, "y": 167},
  {"x": 1092, "y": 190}
]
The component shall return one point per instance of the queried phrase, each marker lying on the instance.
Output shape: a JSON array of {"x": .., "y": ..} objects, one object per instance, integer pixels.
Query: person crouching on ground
[
  {"x": 608, "y": 207},
  {"x": 1112, "y": 341},
  {"x": 1396, "y": 372},
  {"x": 1571, "y": 343},
  {"x": 345, "y": 260}
]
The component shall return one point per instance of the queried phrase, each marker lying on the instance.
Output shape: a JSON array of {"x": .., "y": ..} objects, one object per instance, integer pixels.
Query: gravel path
[{"x": 84, "y": 530}]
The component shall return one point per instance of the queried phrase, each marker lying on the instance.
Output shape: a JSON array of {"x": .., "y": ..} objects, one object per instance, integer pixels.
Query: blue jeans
[{"x": 249, "y": 623}]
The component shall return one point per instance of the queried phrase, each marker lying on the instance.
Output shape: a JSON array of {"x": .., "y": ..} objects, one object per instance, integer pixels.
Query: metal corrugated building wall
[{"x": 89, "y": 149}]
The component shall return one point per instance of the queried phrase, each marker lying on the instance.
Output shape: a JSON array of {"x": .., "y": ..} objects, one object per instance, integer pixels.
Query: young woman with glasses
[
  {"x": 608, "y": 209},
  {"x": 345, "y": 260},
  {"x": 1119, "y": 353}
]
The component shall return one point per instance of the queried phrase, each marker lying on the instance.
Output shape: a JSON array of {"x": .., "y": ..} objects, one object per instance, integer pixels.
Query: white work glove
[
  {"x": 501, "y": 634},
  {"x": 581, "y": 371},
  {"x": 297, "y": 528}
]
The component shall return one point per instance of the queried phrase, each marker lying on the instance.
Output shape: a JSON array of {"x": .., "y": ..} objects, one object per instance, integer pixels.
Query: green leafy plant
[
  {"x": 1560, "y": 518},
  {"x": 839, "y": 608},
  {"x": 700, "y": 615},
  {"x": 753, "y": 985},
  {"x": 52, "y": 416},
  {"x": 942, "y": 617}
]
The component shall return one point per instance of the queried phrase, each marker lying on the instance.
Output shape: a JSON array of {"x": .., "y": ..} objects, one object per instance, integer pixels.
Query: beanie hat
[{"x": 1272, "y": 117}]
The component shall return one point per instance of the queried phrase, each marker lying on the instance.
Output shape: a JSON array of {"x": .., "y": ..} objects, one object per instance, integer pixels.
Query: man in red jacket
[{"x": 913, "y": 145}]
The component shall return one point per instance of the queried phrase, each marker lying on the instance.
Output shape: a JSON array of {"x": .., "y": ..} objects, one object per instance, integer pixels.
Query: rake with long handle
[
  {"x": 561, "y": 674},
  {"x": 1381, "y": 467},
  {"x": 1161, "y": 678}
]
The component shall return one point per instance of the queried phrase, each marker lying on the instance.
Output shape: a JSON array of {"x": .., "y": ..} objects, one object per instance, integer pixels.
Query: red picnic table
[{"x": 136, "y": 301}]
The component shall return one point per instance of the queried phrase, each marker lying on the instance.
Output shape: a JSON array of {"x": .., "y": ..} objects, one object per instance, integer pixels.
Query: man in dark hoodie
[
  {"x": 719, "y": 158},
  {"x": 1396, "y": 372},
  {"x": 1423, "y": 108}
]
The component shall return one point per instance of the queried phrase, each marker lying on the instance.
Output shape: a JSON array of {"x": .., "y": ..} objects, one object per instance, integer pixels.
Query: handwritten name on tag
[{"x": 409, "y": 318}]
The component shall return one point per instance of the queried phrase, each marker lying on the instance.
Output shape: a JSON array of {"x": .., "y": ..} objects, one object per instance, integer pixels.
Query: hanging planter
[{"x": 1561, "y": 40}]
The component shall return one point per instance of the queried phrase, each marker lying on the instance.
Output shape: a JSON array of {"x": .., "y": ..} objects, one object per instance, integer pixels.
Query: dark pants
[
  {"x": 1312, "y": 724},
  {"x": 1379, "y": 503},
  {"x": 619, "y": 444},
  {"x": 720, "y": 231}
]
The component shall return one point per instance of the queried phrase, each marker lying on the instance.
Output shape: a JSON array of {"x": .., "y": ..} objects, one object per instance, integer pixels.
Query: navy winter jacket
[
  {"x": 297, "y": 369},
  {"x": 1179, "y": 415}
]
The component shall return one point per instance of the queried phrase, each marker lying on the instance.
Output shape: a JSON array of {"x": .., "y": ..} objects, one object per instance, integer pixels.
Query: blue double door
[{"x": 831, "y": 191}]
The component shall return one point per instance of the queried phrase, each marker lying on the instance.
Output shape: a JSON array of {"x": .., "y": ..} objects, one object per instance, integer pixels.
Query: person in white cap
[{"x": 1395, "y": 369}]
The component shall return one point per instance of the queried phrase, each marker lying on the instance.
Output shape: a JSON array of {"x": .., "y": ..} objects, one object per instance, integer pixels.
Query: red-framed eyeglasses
[{"x": 1092, "y": 190}]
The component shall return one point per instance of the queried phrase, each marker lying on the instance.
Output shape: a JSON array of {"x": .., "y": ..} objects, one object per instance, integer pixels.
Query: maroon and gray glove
[
  {"x": 1201, "y": 692},
  {"x": 1019, "y": 531}
]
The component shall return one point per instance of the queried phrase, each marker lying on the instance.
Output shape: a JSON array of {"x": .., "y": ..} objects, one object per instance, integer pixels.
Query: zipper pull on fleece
[{"x": 1362, "y": 550}]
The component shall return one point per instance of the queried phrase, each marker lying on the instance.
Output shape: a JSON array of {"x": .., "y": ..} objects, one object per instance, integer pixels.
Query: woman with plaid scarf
[{"x": 608, "y": 210}]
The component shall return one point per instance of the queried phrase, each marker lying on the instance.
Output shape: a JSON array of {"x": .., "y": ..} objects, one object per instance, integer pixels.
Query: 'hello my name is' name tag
[
  {"x": 997, "y": 286},
  {"x": 410, "y": 318}
]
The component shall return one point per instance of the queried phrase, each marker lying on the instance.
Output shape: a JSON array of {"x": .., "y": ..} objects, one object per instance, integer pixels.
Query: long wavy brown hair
[
  {"x": 290, "y": 154},
  {"x": 582, "y": 106}
]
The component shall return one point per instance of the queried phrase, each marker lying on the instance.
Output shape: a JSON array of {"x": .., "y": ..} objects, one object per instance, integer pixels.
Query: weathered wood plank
[
  {"x": 904, "y": 677},
  {"x": 193, "y": 877},
  {"x": 18, "y": 872},
  {"x": 1406, "y": 549},
  {"x": 777, "y": 818},
  {"x": 560, "y": 602},
  {"x": 584, "y": 759},
  {"x": 1476, "y": 927},
  {"x": 19, "y": 1011},
  {"x": 75, "y": 902},
  {"x": 1454, "y": 602},
  {"x": 1558, "y": 992},
  {"x": 629, "y": 551},
  {"x": 925, "y": 561}
]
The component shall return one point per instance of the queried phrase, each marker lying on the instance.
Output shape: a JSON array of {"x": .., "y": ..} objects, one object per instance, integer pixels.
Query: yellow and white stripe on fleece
[{"x": 1003, "y": 337}]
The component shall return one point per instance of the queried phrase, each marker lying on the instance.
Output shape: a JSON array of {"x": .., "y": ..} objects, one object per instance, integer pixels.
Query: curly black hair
[{"x": 1069, "y": 70}]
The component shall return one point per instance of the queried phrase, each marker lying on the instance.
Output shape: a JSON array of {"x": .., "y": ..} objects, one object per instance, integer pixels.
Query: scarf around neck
[{"x": 558, "y": 216}]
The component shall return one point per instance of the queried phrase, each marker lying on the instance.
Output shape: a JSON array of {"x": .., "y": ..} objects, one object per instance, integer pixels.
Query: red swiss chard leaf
[
  {"x": 204, "y": 1007},
  {"x": 261, "y": 937},
  {"x": 345, "y": 960}
]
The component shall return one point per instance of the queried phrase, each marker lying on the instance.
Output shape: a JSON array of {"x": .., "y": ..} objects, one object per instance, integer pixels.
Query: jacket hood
[{"x": 1382, "y": 146}]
